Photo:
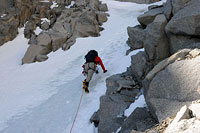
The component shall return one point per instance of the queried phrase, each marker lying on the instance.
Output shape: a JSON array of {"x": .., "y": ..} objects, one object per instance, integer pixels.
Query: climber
[{"x": 89, "y": 67}]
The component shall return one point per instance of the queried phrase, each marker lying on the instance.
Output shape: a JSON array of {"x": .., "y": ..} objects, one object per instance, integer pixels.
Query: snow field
[{"x": 43, "y": 97}]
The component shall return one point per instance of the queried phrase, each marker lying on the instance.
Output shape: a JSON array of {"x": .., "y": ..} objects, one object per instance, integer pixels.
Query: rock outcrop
[
  {"x": 186, "y": 120},
  {"x": 62, "y": 20},
  {"x": 140, "y": 1},
  {"x": 168, "y": 67},
  {"x": 121, "y": 92},
  {"x": 173, "y": 84},
  {"x": 14, "y": 14},
  {"x": 63, "y": 24}
]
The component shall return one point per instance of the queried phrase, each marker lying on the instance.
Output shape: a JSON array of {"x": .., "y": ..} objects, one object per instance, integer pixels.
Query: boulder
[
  {"x": 156, "y": 42},
  {"x": 111, "y": 114},
  {"x": 168, "y": 9},
  {"x": 140, "y": 1},
  {"x": 5, "y": 4},
  {"x": 59, "y": 27},
  {"x": 186, "y": 21},
  {"x": 95, "y": 119},
  {"x": 2, "y": 40},
  {"x": 87, "y": 25},
  {"x": 101, "y": 17},
  {"x": 41, "y": 58},
  {"x": 161, "y": 108},
  {"x": 149, "y": 16},
  {"x": 33, "y": 39},
  {"x": 139, "y": 65},
  {"x": 136, "y": 37},
  {"x": 111, "y": 83},
  {"x": 178, "y": 42},
  {"x": 45, "y": 25},
  {"x": 116, "y": 84},
  {"x": 44, "y": 39},
  {"x": 29, "y": 29},
  {"x": 154, "y": 7},
  {"x": 195, "y": 107},
  {"x": 8, "y": 28},
  {"x": 163, "y": 64},
  {"x": 68, "y": 43},
  {"x": 58, "y": 39},
  {"x": 103, "y": 8},
  {"x": 139, "y": 120},
  {"x": 184, "y": 122},
  {"x": 178, "y": 5},
  {"x": 175, "y": 85},
  {"x": 33, "y": 53}
]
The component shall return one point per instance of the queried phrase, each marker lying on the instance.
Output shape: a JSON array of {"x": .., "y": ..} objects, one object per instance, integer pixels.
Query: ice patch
[
  {"x": 38, "y": 30},
  {"x": 140, "y": 102},
  {"x": 72, "y": 3},
  {"x": 3, "y": 15},
  {"x": 54, "y": 5},
  {"x": 45, "y": 20}
]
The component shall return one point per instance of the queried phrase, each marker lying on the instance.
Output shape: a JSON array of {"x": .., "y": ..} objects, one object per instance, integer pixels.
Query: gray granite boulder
[
  {"x": 156, "y": 42},
  {"x": 168, "y": 9},
  {"x": 149, "y": 16},
  {"x": 136, "y": 37},
  {"x": 140, "y": 1},
  {"x": 178, "y": 42},
  {"x": 178, "y": 5},
  {"x": 139, "y": 65},
  {"x": 177, "y": 83},
  {"x": 35, "y": 53},
  {"x": 186, "y": 21},
  {"x": 139, "y": 120},
  {"x": 111, "y": 114}
]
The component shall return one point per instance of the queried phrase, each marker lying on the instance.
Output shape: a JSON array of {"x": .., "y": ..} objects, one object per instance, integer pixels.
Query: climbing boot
[
  {"x": 84, "y": 84},
  {"x": 86, "y": 90},
  {"x": 86, "y": 87}
]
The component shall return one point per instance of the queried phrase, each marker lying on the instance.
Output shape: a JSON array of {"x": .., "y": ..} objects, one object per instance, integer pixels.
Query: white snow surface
[
  {"x": 54, "y": 5},
  {"x": 3, "y": 15},
  {"x": 45, "y": 20},
  {"x": 72, "y": 3},
  {"x": 140, "y": 102},
  {"x": 38, "y": 30},
  {"x": 43, "y": 97}
]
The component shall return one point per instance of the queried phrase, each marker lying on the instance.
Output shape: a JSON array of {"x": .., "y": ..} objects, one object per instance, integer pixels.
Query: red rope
[{"x": 77, "y": 111}]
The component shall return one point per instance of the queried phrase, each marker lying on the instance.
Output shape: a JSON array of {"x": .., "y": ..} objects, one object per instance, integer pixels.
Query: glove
[
  {"x": 105, "y": 71},
  {"x": 97, "y": 71}
]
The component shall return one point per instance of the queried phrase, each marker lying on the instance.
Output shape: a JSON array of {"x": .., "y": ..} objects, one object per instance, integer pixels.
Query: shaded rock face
[
  {"x": 174, "y": 85},
  {"x": 148, "y": 17},
  {"x": 121, "y": 92},
  {"x": 139, "y": 120},
  {"x": 183, "y": 28},
  {"x": 136, "y": 37},
  {"x": 139, "y": 65},
  {"x": 155, "y": 43}
]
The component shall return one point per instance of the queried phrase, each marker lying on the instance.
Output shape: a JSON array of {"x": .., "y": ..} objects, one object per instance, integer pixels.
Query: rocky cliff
[
  {"x": 167, "y": 69},
  {"x": 58, "y": 22}
]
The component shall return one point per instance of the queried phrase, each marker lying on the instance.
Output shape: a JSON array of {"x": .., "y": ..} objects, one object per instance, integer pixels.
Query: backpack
[{"x": 91, "y": 55}]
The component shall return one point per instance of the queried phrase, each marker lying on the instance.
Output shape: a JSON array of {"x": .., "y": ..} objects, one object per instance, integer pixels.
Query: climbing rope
[{"x": 77, "y": 111}]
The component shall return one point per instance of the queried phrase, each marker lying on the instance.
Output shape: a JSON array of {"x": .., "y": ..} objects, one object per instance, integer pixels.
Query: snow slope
[{"x": 43, "y": 97}]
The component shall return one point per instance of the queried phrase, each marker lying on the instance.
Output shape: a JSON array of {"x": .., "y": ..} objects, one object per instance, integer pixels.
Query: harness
[{"x": 89, "y": 68}]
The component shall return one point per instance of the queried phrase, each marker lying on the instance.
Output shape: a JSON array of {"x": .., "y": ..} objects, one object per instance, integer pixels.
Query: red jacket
[{"x": 99, "y": 61}]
